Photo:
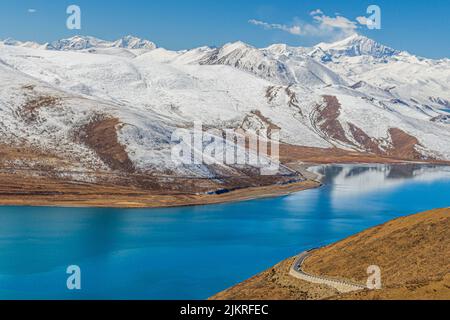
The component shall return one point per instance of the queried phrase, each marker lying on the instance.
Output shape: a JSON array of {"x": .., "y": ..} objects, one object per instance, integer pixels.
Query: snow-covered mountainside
[
  {"x": 354, "y": 46},
  {"x": 82, "y": 43},
  {"x": 85, "y": 42},
  {"x": 100, "y": 105}
]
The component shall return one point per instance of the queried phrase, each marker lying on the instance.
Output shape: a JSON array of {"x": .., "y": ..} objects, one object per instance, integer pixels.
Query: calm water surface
[{"x": 192, "y": 253}]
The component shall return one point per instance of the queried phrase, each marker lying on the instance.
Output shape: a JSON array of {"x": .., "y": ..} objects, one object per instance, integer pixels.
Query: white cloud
[
  {"x": 362, "y": 20},
  {"x": 31, "y": 10},
  {"x": 296, "y": 30},
  {"x": 317, "y": 11},
  {"x": 338, "y": 22},
  {"x": 321, "y": 26}
]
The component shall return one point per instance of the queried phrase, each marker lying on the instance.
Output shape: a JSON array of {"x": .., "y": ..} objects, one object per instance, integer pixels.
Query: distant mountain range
[
  {"x": 91, "y": 104},
  {"x": 85, "y": 42}
]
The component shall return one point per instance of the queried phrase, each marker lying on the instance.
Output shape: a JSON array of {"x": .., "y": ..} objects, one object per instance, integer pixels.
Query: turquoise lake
[{"x": 194, "y": 252}]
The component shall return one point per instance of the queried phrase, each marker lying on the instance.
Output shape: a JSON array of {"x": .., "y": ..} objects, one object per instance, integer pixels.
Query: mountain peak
[
  {"x": 77, "y": 42},
  {"x": 17, "y": 43},
  {"x": 357, "y": 45},
  {"x": 237, "y": 45},
  {"x": 278, "y": 48},
  {"x": 132, "y": 42},
  {"x": 355, "y": 36},
  {"x": 80, "y": 42}
]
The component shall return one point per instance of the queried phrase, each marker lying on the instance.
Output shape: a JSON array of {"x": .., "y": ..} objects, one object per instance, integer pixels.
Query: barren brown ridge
[{"x": 412, "y": 252}]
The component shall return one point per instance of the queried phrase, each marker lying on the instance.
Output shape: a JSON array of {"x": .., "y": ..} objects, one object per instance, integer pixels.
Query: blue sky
[{"x": 420, "y": 27}]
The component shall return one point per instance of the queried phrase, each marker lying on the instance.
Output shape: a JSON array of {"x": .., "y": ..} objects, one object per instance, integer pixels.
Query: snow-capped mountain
[
  {"x": 26, "y": 44},
  {"x": 356, "y": 45},
  {"x": 413, "y": 81},
  {"x": 79, "y": 43},
  {"x": 272, "y": 64},
  {"x": 95, "y": 104},
  {"x": 86, "y": 42},
  {"x": 130, "y": 42}
]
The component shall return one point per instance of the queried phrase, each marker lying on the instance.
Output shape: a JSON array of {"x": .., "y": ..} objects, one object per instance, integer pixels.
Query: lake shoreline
[
  {"x": 244, "y": 237},
  {"x": 152, "y": 201},
  {"x": 141, "y": 199}
]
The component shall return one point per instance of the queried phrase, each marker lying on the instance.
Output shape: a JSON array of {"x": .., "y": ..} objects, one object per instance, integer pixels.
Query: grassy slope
[{"x": 413, "y": 253}]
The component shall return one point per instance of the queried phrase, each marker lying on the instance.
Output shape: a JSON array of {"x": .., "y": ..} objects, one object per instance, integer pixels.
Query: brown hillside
[
  {"x": 412, "y": 252},
  {"x": 408, "y": 250},
  {"x": 276, "y": 284}
]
